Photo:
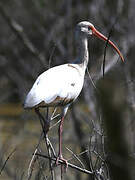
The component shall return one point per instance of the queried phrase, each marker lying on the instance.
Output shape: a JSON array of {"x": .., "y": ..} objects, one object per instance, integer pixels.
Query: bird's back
[{"x": 57, "y": 86}]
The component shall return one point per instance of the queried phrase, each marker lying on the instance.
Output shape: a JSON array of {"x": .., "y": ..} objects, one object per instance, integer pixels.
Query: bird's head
[{"x": 87, "y": 29}]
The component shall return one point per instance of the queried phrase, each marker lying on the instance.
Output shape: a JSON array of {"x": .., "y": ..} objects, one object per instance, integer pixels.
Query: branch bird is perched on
[{"x": 61, "y": 85}]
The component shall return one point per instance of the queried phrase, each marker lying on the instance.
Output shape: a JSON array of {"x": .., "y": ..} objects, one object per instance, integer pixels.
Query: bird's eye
[{"x": 89, "y": 28}]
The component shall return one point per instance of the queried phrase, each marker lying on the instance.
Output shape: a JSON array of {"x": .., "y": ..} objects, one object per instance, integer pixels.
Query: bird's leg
[
  {"x": 60, "y": 157},
  {"x": 60, "y": 137},
  {"x": 47, "y": 120},
  {"x": 44, "y": 123}
]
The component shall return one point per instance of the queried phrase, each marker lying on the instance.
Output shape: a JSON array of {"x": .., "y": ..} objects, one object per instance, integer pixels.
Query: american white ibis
[{"x": 61, "y": 85}]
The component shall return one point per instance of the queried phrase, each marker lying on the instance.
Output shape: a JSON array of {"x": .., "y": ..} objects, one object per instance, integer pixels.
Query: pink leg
[
  {"x": 60, "y": 136},
  {"x": 60, "y": 157}
]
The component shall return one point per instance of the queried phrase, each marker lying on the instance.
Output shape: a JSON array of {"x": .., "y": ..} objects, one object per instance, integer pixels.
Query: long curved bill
[{"x": 101, "y": 36}]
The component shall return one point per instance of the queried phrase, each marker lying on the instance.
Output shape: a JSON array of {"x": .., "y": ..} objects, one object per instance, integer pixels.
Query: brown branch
[
  {"x": 69, "y": 164},
  {"x": 106, "y": 45},
  {"x": 7, "y": 161}
]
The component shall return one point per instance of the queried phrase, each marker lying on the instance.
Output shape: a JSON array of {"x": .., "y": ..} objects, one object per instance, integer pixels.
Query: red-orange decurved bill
[{"x": 101, "y": 36}]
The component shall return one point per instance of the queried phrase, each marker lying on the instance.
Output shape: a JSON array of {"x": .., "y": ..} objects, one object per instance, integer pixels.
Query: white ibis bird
[{"x": 61, "y": 85}]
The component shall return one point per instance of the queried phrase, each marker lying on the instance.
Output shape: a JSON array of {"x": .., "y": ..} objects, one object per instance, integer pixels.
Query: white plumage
[{"x": 56, "y": 86}]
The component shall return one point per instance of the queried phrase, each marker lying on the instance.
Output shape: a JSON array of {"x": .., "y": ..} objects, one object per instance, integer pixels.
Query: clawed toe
[{"x": 64, "y": 162}]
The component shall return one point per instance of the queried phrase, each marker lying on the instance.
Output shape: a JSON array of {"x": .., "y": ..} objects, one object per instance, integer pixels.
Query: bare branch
[
  {"x": 7, "y": 160},
  {"x": 33, "y": 160},
  {"x": 69, "y": 164},
  {"x": 51, "y": 55},
  {"x": 76, "y": 156},
  {"x": 106, "y": 45}
]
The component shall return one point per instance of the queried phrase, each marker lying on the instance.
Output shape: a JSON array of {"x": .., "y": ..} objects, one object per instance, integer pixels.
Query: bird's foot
[{"x": 64, "y": 162}]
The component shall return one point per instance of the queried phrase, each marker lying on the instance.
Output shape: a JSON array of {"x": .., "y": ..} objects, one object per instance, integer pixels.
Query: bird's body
[
  {"x": 58, "y": 86},
  {"x": 61, "y": 85}
]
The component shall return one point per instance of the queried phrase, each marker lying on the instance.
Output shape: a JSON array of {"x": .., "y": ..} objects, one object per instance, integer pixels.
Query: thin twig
[
  {"x": 53, "y": 116},
  {"x": 83, "y": 152},
  {"x": 47, "y": 141},
  {"x": 106, "y": 44},
  {"x": 91, "y": 80},
  {"x": 50, "y": 59},
  {"x": 55, "y": 124},
  {"x": 7, "y": 160},
  {"x": 33, "y": 160},
  {"x": 90, "y": 154},
  {"x": 53, "y": 113},
  {"x": 50, "y": 155},
  {"x": 76, "y": 156}
]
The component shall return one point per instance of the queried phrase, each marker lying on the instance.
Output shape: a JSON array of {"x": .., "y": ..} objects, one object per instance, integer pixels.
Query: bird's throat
[{"x": 82, "y": 51}]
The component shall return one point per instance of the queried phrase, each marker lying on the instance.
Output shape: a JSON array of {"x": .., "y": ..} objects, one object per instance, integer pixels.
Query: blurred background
[{"x": 36, "y": 35}]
